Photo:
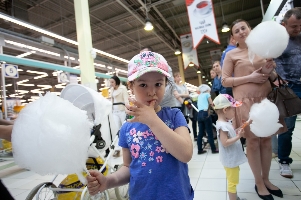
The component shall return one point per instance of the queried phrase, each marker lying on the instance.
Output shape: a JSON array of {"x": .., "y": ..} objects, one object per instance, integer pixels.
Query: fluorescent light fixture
[
  {"x": 43, "y": 31},
  {"x": 22, "y": 84},
  {"x": 198, "y": 72},
  {"x": 203, "y": 76}
]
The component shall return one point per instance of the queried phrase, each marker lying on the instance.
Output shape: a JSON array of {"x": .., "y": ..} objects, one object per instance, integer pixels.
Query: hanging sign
[
  {"x": 11, "y": 71},
  {"x": 189, "y": 54},
  {"x": 63, "y": 77},
  {"x": 202, "y": 21}
]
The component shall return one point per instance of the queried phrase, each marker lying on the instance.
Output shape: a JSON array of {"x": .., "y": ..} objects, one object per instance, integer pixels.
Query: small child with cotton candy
[{"x": 230, "y": 151}]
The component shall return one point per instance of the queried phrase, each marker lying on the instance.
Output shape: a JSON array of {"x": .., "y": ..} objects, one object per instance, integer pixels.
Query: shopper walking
[{"x": 204, "y": 119}]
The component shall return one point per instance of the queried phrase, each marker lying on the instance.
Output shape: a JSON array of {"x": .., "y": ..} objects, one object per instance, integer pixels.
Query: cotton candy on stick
[
  {"x": 264, "y": 116},
  {"x": 267, "y": 40},
  {"x": 51, "y": 136}
]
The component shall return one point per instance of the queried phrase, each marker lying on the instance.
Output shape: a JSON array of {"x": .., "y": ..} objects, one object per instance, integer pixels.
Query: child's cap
[
  {"x": 203, "y": 88},
  {"x": 145, "y": 62},
  {"x": 225, "y": 100}
]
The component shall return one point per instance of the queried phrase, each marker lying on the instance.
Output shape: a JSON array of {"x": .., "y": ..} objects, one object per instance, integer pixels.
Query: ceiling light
[
  {"x": 207, "y": 42},
  {"x": 203, "y": 76},
  {"x": 225, "y": 27},
  {"x": 198, "y": 72},
  {"x": 177, "y": 51},
  {"x": 191, "y": 65},
  {"x": 148, "y": 25}
]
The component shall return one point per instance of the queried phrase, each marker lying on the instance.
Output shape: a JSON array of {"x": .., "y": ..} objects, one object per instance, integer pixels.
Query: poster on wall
[
  {"x": 202, "y": 21},
  {"x": 189, "y": 54}
]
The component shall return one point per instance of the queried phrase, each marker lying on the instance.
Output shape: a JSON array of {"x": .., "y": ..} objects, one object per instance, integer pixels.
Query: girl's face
[
  {"x": 240, "y": 32},
  {"x": 149, "y": 87},
  {"x": 229, "y": 112},
  {"x": 112, "y": 83}
]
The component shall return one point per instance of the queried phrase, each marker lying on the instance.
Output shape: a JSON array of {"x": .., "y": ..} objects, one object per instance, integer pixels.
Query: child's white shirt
[{"x": 233, "y": 155}]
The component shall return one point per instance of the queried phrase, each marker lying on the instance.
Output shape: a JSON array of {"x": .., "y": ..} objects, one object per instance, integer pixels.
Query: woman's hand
[
  {"x": 258, "y": 77},
  {"x": 269, "y": 67},
  {"x": 97, "y": 182}
]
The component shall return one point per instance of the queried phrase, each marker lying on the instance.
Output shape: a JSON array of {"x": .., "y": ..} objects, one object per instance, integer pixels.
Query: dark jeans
[
  {"x": 195, "y": 133},
  {"x": 285, "y": 139},
  {"x": 205, "y": 122}
]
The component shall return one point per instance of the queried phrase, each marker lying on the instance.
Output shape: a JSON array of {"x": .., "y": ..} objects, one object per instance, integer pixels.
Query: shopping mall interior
[{"x": 39, "y": 39}]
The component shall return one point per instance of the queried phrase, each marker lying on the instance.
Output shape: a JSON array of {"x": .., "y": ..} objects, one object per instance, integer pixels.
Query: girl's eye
[
  {"x": 142, "y": 85},
  {"x": 158, "y": 84}
]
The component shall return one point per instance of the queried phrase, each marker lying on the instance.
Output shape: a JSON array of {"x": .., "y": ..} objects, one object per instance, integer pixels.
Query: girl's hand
[
  {"x": 258, "y": 77},
  {"x": 141, "y": 113},
  {"x": 97, "y": 182},
  {"x": 239, "y": 132}
]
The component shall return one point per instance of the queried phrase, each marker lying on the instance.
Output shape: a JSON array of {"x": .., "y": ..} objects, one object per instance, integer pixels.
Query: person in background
[
  {"x": 212, "y": 74},
  {"x": 169, "y": 99},
  {"x": 119, "y": 94},
  {"x": 217, "y": 82},
  {"x": 230, "y": 152},
  {"x": 251, "y": 86},
  {"x": 231, "y": 45},
  {"x": 204, "y": 119},
  {"x": 289, "y": 68},
  {"x": 182, "y": 90},
  {"x": 153, "y": 164}
]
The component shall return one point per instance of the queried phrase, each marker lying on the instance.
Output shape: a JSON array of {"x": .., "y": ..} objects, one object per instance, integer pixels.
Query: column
[
  {"x": 84, "y": 38},
  {"x": 181, "y": 68}
]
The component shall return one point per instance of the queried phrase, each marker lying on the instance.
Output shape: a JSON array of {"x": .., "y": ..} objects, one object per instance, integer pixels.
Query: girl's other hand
[
  {"x": 258, "y": 77},
  {"x": 97, "y": 182}
]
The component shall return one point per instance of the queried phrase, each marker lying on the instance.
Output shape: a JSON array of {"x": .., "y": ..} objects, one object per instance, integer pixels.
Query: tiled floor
[{"x": 207, "y": 176}]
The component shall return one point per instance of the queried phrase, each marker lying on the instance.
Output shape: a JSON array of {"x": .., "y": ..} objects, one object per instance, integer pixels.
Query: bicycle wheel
[
  {"x": 122, "y": 192},
  {"x": 43, "y": 192},
  {"x": 104, "y": 196}
]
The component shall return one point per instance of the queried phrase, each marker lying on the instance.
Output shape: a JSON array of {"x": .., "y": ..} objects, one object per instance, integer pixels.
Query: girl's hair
[
  {"x": 116, "y": 79},
  {"x": 219, "y": 62},
  {"x": 236, "y": 22},
  {"x": 176, "y": 74}
]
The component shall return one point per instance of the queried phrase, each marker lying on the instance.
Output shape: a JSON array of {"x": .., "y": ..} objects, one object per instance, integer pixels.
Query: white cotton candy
[
  {"x": 265, "y": 117},
  {"x": 268, "y": 40},
  {"x": 51, "y": 136}
]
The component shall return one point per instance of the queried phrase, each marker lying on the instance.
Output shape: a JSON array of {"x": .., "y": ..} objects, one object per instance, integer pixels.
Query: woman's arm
[
  {"x": 6, "y": 131},
  {"x": 229, "y": 81},
  {"x": 210, "y": 102},
  {"x": 125, "y": 95}
]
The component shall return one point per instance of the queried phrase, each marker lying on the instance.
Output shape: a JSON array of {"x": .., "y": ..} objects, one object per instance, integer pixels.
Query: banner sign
[
  {"x": 202, "y": 21},
  {"x": 189, "y": 54}
]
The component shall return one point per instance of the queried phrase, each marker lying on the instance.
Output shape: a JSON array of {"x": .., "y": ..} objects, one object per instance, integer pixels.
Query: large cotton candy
[
  {"x": 265, "y": 117},
  {"x": 268, "y": 40},
  {"x": 51, "y": 136}
]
